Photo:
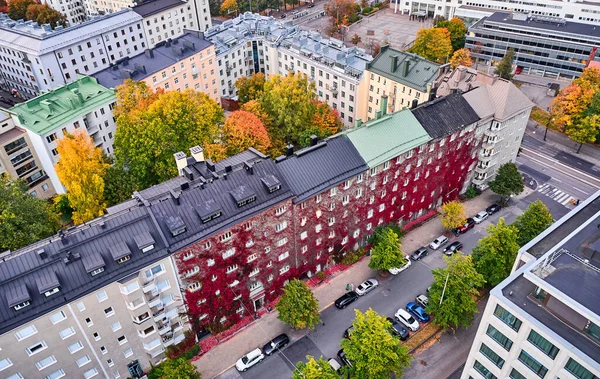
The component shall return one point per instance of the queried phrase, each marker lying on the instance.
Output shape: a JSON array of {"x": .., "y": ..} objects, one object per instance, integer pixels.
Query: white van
[{"x": 249, "y": 360}]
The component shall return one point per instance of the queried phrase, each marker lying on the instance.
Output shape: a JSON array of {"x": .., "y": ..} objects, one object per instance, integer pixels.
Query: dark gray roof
[
  {"x": 148, "y": 8},
  {"x": 314, "y": 169},
  {"x": 445, "y": 116},
  {"x": 536, "y": 22},
  {"x": 144, "y": 239},
  {"x": 152, "y": 61},
  {"x": 46, "y": 280},
  {"x": 92, "y": 261},
  {"x": 17, "y": 293},
  {"x": 119, "y": 250}
]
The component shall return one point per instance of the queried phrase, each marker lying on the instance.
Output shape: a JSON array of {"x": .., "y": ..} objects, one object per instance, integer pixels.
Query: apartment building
[
  {"x": 81, "y": 105},
  {"x": 73, "y": 10},
  {"x": 405, "y": 78},
  {"x": 35, "y": 58},
  {"x": 546, "y": 46},
  {"x": 543, "y": 321},
  {"x": 186, "y": 62},
  {"x": 19, "y": 160}
]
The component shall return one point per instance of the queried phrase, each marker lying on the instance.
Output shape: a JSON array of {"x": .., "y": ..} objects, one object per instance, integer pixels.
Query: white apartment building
[
  {"x": 35, "y": 58},
  {"x": 82, "y": 105},
  {"x": 74, "y": 10},
  {"x": 543, "y": 321}
]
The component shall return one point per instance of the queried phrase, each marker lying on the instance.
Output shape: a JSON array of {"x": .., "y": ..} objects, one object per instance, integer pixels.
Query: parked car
[
  {"x": 422, "y": 300},
  {"x": 343, "y": 358},
  {"x": 419, "y": 253},
  {"x": 335, "y": 365},
  {"x": 493, "y": 209},
  {"x": 469, "y": 224},
  {"x": 518, "y": 70},
  {"x": 275, "y": 344},
  {"x": 479, "y": 217},
  {"x": 283, "y": 16},
  {"x": 398, "y": 329},
  {"x": 346, "y": 299},
  {"x": 366, "y": 287},
  {"x": 310, "y": 5},
  {"x": 249, "y": 360},
  {"x": 453, "y": 247},
  {"x": 396, "y": 271},
  {"x": 438, "y": 242},
  {"x": 408, "y": 320},
  {"x": 348, "y": 331},
  {"x": 417, "y": 311}
]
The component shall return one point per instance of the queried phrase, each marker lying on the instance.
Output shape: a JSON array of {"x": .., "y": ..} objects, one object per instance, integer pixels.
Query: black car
[
  {"x": 348, "y": 331},
  {"x": 419, "y": 253},
  {"x": 283, "y": 16},
  {"x": 311, "y": 5},
  {"x": 493, "y": 209},
  {"x": 276, "y": 343},
  {"x": 398, "y": 329},
  {"x": 342, "y": 355},
  {"x": 453, "y": 248},
  {"x": 346, "y": 299}
]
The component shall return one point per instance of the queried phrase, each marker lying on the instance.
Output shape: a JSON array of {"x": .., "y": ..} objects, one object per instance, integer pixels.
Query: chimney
[
  {"x": 289, "y": 150},
  {"x": 313, "y": 140},
  {"x": 378, "y": 114},
  {"x": 394, "y": 63},
  {"x": 198, "y": 153},
  {"x": 383, "y": 105},
  {"x": 228, "y": 168},
  {"x": 149, "y": 53},
  {"x": 210, "y": 165},
  {"x": 405, "y": 67},
  {"x": 181, "y": 161},
  {"x": 358, "y": 122}
]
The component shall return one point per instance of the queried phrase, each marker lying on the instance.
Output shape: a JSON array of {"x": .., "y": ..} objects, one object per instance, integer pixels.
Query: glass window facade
[
  {"x": 541, "y": 343},
  {"x": 483, "y": 371},
  {"x": 491, "y": 355},
  {"x": 578, "y": 370},
  {"x": 497, "y": 336},
  {"x": 533, "y": 364},
  {"x": 507, "y": 317}
]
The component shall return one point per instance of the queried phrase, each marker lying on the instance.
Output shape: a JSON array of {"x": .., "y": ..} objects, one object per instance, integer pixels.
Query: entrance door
[{"x": 259, "y": 303}]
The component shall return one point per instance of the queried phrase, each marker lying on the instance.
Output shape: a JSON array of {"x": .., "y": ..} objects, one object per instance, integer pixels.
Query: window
[
  {"x": 97, "y": 336},
  {"x": 225, "y": 236},
  {"x": 284, "y": 269},
  {"x": 75, "y": 347},
  {"x": 280, "y": 211},
  {"x": 83, "y": 361},
  {"x": 373, "y": 171},
  {"x": 66, "y": 333},
  {"x": 507, "y": 318},
  {"x": 229, "y": 253},
  {"x": 532, "y": 364},
  {"x": 34, "y": 349},
  {"x": 497, "y": 336},
  {"x": 541, "y": 343},
  {"x": 5, "y": 363},
  {"x": 90, "y": 373},
  {"x": 89, "y": 322},
  {"x": 281, "y": 242},
  {"x": 110, "y": 362},
  {"x": 483, "y": 371},
  {"x": 45, "y": 362},
  {"x": 318, "y": 198},
  {"x": 514, "y": 374},
  {"x": 281, "y": 226},
  {"x": 58, "y": 317},
  {"x": 358, "y": 193},
  {"x": 333, "y": 191},
  {"x": 303, "y": 235},
  {"x": 359, "y": 178},
  {"x": 56, "y": 374},
  {"x": 331, "y": 221},
  {"x": 109, "y": 311},
  {"x": 283, "y": 256},
  {"x": 491, "y": 355},
  {"x": 154, "y": 271},
  {"x": 572, "y": 366},
  {"x": 101, "y": 296},
  {"x": 115, "y": 326},
  {"x": 122, "y": 340}
]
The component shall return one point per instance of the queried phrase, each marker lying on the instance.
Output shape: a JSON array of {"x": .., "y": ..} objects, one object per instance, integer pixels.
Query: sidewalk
[{"x": 223, "y": 356}]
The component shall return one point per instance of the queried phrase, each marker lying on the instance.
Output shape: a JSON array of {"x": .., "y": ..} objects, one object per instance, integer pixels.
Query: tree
[
  {"x": 386, "y": 253},
  {"x": 44, "y": 14},
  {"x": 532, "y": 222},
  {"x": 458, "y": 32},
  {"x": 229, "y": 7},
  {"x": 298, "y": 306},
  {"x": 461, "y": 57},
  {"x": 17, "y": 9},
  {"x": 277, "y": 145},
  {"x": 356, "y": 39},
  {"x": 374, "y": 352},
  {"x": 495, "y": 253},
  {"x": 453, "y": 215},
  {"x": 585, "y": 131},
  {"x": 24, "y": 219},
  {"x": 458, "y": 282},
  {"x": 118, "y": 184},
  {"x": 341, "y": 12},
  {"x": 433, "y": 44},
  {"x": 250, "y": 88},
  {"x": 243, "y": 130},
  {"x": 81, "y": 169},
  {"x": 508, "y": 181},
  {"x": 178, "y": 368},
  {"x": 325, "y": 122},
  {"x": 134, "y": 96},
  {"x": 314, "y": 369},
  {"x": 505, "y": 67}
]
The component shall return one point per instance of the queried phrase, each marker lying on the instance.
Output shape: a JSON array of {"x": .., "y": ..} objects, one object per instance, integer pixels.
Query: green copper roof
[
  {"x": 378, "y": 141},
  {"x": 417, "y": 75},
  {"x": 53, "y": 109}
]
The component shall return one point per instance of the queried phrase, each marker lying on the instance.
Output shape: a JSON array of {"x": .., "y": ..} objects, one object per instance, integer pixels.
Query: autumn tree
[
  {"x": 461, "y": 57},
  {"x": 229, "y": 7},
  {"x": 373, "y": 351},
  {"x": 495, "y": 253},
  {"x": 341, "y": 12},
  {"x": 451, "y": 296},
  {"x": 17, "y": 9},
  {"x": 81, "y": 169},
  {"x": 433, "y": 44},
  {"x": 458, "y": 31},
  {"x": 24, "y": 219},
  {"x": 325, "y": 122},
  {"x": 298, "y": 306},
  {"x": 532, "y": 222},
  {"x": 508, "y": 181},
  {"x": 133, "y": 96},
  {"x": 504, "y": 69},
  {"x": 250, "y": 88},
  {"x": 44, "y": 14},
  {"x": 243, "y": 130},
  {"x": 314, "y": 369},
  {"x": 355, "y": 39},
  {"x": 453, "y": 215},
  {"x": 386, "y": 251},
  {"x": 3, "y": 6},
  {"x": 277, "y": 145},
  {"x": 177, "y": 368}
]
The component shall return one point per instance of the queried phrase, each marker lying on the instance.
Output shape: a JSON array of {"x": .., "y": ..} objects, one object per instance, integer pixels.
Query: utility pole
[{"x": 444, "y": 290}]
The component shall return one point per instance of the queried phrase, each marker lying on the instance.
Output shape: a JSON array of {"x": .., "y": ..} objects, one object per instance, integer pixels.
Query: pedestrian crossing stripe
[{"x": 555, "y": 194}]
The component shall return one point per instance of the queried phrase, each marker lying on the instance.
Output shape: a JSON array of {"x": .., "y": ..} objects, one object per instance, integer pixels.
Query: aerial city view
[{"x": 299, "y": 189}]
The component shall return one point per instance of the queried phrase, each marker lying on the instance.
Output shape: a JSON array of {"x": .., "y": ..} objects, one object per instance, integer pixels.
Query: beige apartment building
[{"x": 406, "y": 79}]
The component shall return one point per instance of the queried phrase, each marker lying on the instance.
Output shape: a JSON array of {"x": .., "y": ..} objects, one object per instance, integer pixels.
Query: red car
[
  {"x": 470, "y": 224},
  {"x": 518, "y": 70}
]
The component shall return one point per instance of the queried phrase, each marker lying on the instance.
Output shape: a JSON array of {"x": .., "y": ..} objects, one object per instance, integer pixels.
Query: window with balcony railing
[
  {"x": 26, "y": 168},
  {"x": 22, "y": 157},
  {"x": 15, "y": 145},
  {"x": 532, "y": 364}
]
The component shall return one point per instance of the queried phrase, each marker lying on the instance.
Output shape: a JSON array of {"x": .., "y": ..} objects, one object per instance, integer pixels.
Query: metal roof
[
  {"x": 119, "y": 250},
  {"x": 559, "y": 25},
  {"x": 445, "y": 116},
  {"x": 148, "y": 8},
  {"x": 46, "y": 280},
  {"x": 502, "y": 99},
  {"x": 380, "y": 140}
]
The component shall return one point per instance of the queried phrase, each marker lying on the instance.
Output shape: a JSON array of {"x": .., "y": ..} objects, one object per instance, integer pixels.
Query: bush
[
  {"x": 353, "y": 256},
  {"x": 472, "y": 192},
  {"x": 367, "y": 10},
  {"x": 378, "y": 5},
  {"x": 320, "y": 275}
]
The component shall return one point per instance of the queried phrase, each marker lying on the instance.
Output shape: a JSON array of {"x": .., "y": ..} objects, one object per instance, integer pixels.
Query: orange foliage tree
[
  {"x": 242, "y": 130},
  {"x": 341, "y": 11},
  {"x": 461, "y": 57}
]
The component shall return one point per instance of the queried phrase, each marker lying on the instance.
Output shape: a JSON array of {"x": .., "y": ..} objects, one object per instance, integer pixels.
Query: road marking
[
  {"x": 555, "y": 194},
  {"x": 526, "y": 150}
]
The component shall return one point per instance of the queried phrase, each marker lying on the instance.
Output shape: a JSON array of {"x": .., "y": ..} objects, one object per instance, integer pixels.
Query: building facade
[
  {"x": 544, "y": 319},
  {"x": 73, "y": 10},
  {"x": 545, "y": 46},
  {"x": 19, "y": 160},
  {"x": 186, "y": 62},
  {"x": 83, "y": 105}
]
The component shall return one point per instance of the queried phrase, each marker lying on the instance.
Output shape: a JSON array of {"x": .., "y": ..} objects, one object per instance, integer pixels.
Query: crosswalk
[{"x": 555, "y": 194}]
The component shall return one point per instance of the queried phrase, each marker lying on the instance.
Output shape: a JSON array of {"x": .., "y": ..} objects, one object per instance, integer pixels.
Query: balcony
[
  {"x": 155, "y": 301},
  {"x": 172, "y": 314},
  {"x": 152, "y": 345},
  {"x": 166, "y": 328},
  {"x": 490, "y": 133},
  {"x": 487, "y": 156},
  {"x": 168, "y": 340},
  {"x": 159, "y": 315},
  {"x": 157, "y": 352},
  {"x": 149, "y": 286},
  {"x": 92, "y": 130}
]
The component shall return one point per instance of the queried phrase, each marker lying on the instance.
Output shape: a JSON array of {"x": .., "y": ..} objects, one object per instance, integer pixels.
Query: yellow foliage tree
[
  {"x": 433, "y": 44},
  {"x": 229, "y": 7},
  {"x": 81, "y": 169},
  {"x": 461, "y": 57},
  {"x": 453, "y": 215}
]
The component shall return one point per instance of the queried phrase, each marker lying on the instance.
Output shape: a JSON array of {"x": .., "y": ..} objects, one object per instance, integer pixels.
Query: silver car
[
  {"x": 479, "y": 217},
  {"x": 366, "y": 287},
  {"x": 436, "y": 243}
]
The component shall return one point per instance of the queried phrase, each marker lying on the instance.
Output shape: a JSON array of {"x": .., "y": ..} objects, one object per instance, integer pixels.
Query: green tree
[
  {"x": 532, "y": 222},
  {"x": 250, "y": 88},
  {"x": 386, "y": 253},
  {"x": 298, "y": 306},
  {"x": 118, "y": 185},
  {"x": 453, "y": 215},
  {"x": 17, "y": 9},
  {"x": 24, "y": 219},
  {"x": 433, "y": 44},
  {"x": 458, "y": 31},
  {"x": 460, "y": 280},
  {"x": 495, "y": 253},
  {"x": 504, "y": 69},
  {"x": 508, "y": 181},
  {"x": 374, "y": 352},
  {"x": 178, "y": 368},
  {"x": 314, "y": 369}
]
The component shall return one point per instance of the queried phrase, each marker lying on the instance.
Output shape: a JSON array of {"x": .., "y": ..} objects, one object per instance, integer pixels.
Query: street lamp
[{"x": 547, "y": 124}]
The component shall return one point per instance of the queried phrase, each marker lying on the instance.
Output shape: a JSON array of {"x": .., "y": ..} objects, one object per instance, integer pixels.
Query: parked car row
[{"x": 257, "y": 355}]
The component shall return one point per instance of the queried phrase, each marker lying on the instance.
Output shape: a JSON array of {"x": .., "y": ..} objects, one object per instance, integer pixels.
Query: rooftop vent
[
  {"x": 208, "y": 210},
  {"x": 243, "y": 195},
  {"x": 271, "y": 183},
  {"x": 175, "y": 225},
  {"x": 42, "y": 254}
]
